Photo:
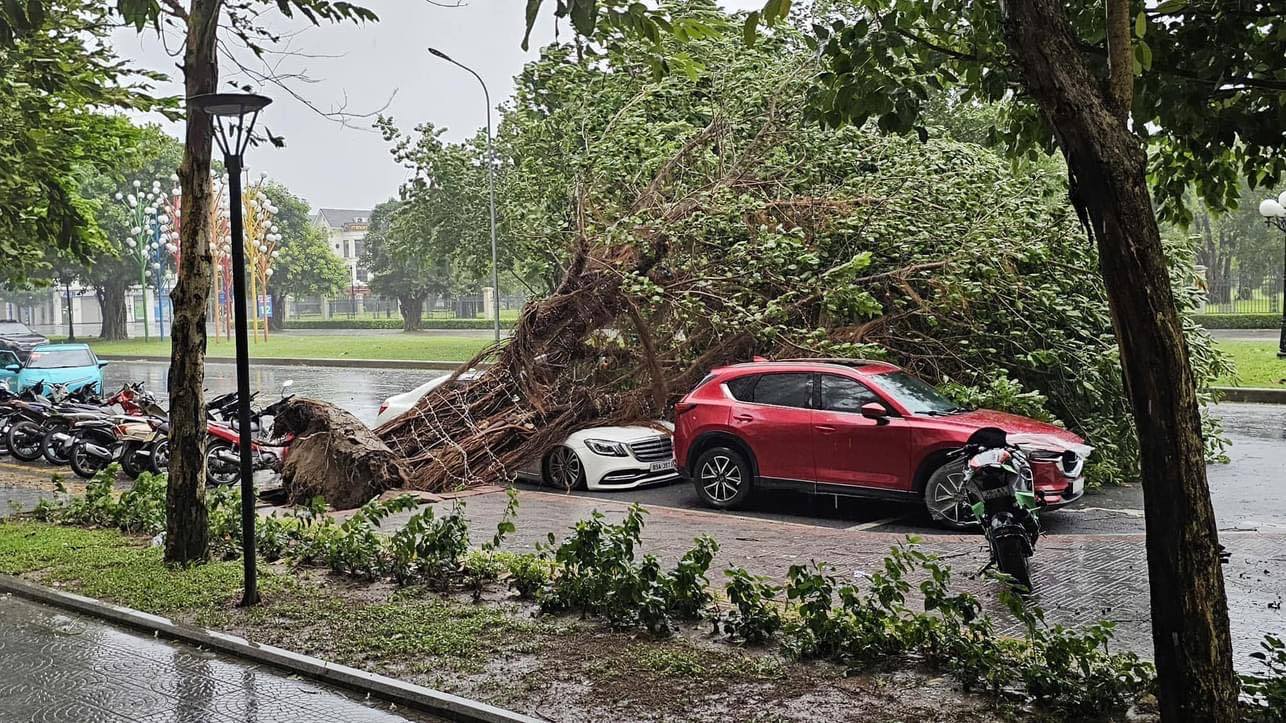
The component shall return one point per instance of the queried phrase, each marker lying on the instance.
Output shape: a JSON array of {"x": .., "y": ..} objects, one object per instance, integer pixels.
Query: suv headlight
[
  {"x": 1071, "y": 464},
  {"x": 606, "y": 448}
]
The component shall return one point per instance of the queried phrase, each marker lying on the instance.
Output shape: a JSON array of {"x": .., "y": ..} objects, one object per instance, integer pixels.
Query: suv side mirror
[
  {"x": 876, "y": 411},
  {"x": 13, "y": 367}
]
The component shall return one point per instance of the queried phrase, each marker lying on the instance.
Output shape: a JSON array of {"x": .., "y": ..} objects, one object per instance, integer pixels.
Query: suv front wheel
[{"x": 722, "y": 478}]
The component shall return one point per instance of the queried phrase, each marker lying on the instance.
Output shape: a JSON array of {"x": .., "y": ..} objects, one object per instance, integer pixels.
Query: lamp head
[
  {"x": 1271, "y": 208},
  {"x": 439, "y": 53},
  {"x": 234, "y": 116}
]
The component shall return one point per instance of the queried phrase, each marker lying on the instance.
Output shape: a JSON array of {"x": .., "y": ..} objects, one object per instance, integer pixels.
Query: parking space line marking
[{"x": 874, "y": 523}]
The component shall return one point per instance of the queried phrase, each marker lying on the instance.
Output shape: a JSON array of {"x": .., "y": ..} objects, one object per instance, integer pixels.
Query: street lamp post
[
  {"x": 491, "y": 186},
  {"x": 1274, "y": 213},
  {"x": 232, "y": 128}
]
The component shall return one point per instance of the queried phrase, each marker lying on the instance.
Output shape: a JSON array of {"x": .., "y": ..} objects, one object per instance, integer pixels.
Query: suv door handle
[
  {"x": 825, "y": 428},
  {"x": 743, "y": 417}
]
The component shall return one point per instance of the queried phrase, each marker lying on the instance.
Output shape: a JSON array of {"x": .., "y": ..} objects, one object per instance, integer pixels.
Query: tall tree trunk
[
  {"x": 111, "y": 304},
  {"x": 186, "y": 533},
  {"x": 1107, "y": 167},
  {"x": 412, "y": 308},
  {"x": 277, "y": 321}
]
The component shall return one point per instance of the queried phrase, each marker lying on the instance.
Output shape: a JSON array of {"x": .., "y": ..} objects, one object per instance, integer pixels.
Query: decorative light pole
[
  {"x": 166, "y": 247},
  {"x": 1274, "y": 213},
  {"x": 491, "y": 184},
  {"x": 142, "y": 220},
  {"x": 261, "y": 249},
  {"x": 234, "y": 116}
]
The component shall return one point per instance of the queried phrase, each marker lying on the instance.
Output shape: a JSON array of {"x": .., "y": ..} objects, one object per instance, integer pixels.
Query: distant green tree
[
  {"x": 307, "y": 265},
  {"x": 56, "y": 78},
  {"x": 152, "y": 155},
  {"x": 404, "y": 259}
]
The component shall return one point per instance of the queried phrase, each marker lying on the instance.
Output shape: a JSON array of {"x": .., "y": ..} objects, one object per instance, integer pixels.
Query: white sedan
[{"x": 598, "y": 458}]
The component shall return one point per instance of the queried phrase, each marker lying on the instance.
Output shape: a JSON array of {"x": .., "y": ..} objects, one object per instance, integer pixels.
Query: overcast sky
[{"x": 334, "y": 166}]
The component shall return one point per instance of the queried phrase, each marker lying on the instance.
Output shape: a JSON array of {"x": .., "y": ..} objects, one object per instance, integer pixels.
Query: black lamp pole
[{"x": 229, "y": 112}]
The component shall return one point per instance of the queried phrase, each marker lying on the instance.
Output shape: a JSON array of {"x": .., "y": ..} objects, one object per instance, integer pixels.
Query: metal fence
[
  {"x": 1244, "y": 294},
  {"x": 462, "y": 306}
]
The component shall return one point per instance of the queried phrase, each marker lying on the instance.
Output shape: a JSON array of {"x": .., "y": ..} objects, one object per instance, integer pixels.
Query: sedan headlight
[
  {"x": 1071, "y": 464},
  {"x": 606, "y": 448}
]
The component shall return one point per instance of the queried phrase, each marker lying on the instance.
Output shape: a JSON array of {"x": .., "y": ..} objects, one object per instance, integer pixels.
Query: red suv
[{"x": 850, "y": 427}]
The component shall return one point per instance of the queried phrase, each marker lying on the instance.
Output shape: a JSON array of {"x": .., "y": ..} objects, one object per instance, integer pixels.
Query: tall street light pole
[
  {"x": 1274, "y": 213},
  {"x": 234, "y": 116},
  {"x": 491, "y": 184}
]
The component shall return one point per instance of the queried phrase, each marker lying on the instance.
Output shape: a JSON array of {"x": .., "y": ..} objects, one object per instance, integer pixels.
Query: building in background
[{"x": 346, "y": 232}]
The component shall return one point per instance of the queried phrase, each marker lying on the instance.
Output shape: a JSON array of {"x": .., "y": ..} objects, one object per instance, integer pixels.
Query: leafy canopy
[{"x": 1209, "y": 91}]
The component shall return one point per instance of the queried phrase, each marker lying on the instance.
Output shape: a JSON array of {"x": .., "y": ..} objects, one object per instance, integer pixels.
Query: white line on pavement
[{"x": 875, "y": 523}]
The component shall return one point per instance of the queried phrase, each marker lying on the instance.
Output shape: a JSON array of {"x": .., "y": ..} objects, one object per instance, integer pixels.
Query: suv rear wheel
[{"x": 722, "y": 478}]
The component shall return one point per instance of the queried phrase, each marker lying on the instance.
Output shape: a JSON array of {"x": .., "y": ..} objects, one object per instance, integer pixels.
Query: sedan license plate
[{"x": 662, "y": 466}]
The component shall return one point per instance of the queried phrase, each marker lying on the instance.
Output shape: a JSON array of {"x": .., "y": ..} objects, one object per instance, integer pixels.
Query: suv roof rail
[{"x": 842, "y": 361}]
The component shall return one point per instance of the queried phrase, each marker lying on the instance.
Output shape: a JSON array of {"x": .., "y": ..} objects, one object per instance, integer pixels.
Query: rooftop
[{"x": 341, "y": 217}]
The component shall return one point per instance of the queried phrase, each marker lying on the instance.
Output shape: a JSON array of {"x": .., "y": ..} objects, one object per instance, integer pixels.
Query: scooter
[
  {"x": 223, "y": 456},
  {"x": 999, "y": 488}
]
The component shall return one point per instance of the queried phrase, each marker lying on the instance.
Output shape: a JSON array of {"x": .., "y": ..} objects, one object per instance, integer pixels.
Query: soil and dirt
[{"x": 334, "y": 455}]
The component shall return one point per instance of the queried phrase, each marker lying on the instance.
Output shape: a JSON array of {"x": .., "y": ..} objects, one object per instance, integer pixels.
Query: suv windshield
[
  {"x": 914, "y": 394},
  {"x": 60, "y": 359}
]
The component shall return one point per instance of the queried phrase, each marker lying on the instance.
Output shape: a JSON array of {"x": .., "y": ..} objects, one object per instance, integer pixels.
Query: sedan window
[
  {"x": 841, "y": 394},
  {"x": 784, "y": 390}
]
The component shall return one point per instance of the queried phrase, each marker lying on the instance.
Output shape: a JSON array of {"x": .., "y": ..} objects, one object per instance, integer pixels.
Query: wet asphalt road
[
  {"x": 1249, "y": 492},
  {"x": 61, "y": 666}
]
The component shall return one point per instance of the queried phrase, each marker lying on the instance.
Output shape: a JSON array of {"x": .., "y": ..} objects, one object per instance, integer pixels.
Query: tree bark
[
  {"x": 1107, "y": 168},
  {"x": 186, "y": 533},
  {"x": 277, "y": 322},
  {"x": 412, "y": 308},
  {"x": 111, "y": 304},
  {"x": 1120, "y": 57}
]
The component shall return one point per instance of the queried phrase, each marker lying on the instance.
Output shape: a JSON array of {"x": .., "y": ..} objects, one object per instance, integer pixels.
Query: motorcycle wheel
[
  {"x": 159, "y": 462},
  {"x": 218, "y": 472},
  {"x": 24, "y": 441},
  {"x": 129, "y": 463},
  {"x": 1011, "y": 558},
  {"x": 50, "y": 449},
  {"x": 84, "y": 464}
]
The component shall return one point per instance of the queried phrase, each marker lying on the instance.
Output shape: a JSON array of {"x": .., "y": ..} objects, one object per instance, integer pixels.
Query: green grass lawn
[
  {"x": 417, "y": 347},
  {"x": 1257, "y": 364}
]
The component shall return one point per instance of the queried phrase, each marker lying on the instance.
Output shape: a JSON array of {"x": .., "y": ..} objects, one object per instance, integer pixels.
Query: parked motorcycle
[
  {"x": 223, "y": 456},
  {"x": 999, "y": 489},
  {"x": 131, "y": 400},
  {"x": 26, "y": 417}
]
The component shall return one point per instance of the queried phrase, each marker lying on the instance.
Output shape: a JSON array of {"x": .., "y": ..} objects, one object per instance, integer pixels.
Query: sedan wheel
[
  {"x": 563, "y": 468},
  {"x": 945, "y": 498}
]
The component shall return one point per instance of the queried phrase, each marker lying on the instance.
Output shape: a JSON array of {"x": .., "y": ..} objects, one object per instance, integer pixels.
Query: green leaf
[
  {"x": 1143, "y": 54},
  {"x": 748, "y": 31},
  {"x": 1141, "y": 24}
]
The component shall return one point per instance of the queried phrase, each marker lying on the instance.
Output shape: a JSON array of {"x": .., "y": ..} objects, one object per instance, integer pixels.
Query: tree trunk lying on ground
[{"x": 334, "y": 455}]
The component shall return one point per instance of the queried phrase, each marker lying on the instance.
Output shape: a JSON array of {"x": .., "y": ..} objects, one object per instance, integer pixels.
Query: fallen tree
[
  {"x": 334, "y": 456},
  {"x": 705, "y": 220}
]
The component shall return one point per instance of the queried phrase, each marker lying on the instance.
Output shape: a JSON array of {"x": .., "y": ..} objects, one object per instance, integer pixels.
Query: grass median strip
[
  {"x": 496, "y": 650},
  {"x": 1257, "y": 364}
]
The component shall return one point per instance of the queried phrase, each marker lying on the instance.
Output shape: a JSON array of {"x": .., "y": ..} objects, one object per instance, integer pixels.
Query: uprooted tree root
[{"x": 335, "y": 456}]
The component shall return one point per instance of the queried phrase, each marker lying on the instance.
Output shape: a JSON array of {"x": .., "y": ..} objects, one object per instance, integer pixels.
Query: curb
[
  {"x": 433, "y": 701},
  {"x": 293, "y": 362},
  {"x": 1250, "y": 394}
]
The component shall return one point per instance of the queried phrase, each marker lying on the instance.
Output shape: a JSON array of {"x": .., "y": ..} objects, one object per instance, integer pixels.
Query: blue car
[{"x": 72, "y": 364}]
